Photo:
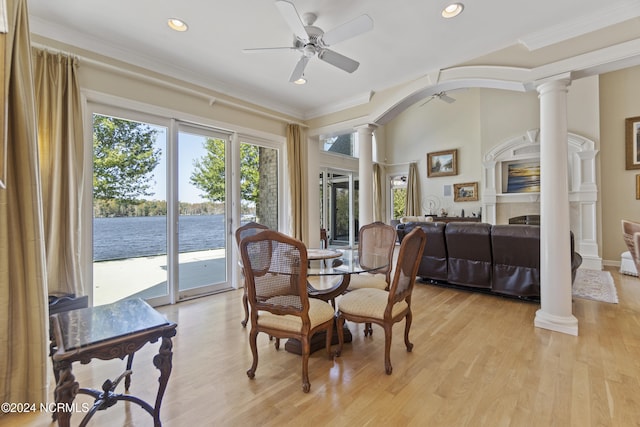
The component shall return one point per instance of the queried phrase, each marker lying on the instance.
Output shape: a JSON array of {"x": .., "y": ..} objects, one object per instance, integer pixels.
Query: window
[
  {"x": 167, "y": 195},
  {"x": 398, "y": 196},
  {"x": 345, "y": 144}
]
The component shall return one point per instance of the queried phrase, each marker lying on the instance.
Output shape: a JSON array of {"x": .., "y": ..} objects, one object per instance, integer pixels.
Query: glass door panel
[
  {"x": 129, "y": 209},
  {"x": 203, "y": 262},
  {"x": 339, "y": 207},
  {"x": 259, "y": 185}
]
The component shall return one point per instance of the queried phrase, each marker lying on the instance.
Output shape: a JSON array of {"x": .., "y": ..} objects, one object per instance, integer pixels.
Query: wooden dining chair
[
  {"x": 385, "y": 308},
  {"x": 379, "y": 239},
  {"x": 249, "y": 229},
  {"x": 376, "y": 238},
  {"x": 275, "y": 268}
]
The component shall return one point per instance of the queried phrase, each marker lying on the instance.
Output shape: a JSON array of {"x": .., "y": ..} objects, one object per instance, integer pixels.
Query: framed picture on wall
[
  {"x": 523, "y": 176},
  {"x": 632, "y": 142},
  {"x": 637, "y": 187},
  {"x": 466, "y": 192},
  {"x": 442, "y": 163}
]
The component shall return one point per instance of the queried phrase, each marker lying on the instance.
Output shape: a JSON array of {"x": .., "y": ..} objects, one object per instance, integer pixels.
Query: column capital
[
  {"x": 370, "y": 127},
  {"x": 560, "y": 81}
]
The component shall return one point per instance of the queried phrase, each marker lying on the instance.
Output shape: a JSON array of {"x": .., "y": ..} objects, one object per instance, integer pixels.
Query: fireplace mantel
[{"x": 498, "y": 205}]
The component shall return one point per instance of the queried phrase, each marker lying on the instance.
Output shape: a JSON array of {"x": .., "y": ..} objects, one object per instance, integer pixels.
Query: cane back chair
[{"x": 275, "y": 267}]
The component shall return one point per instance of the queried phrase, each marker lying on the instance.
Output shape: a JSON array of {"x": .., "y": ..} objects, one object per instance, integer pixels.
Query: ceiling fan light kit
[{"x": 312, "y": 41}]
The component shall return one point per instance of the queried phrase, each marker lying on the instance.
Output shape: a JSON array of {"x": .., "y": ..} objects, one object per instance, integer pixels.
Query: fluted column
[
  {"x": 365, "y": 174},
  {"x": 555, "y": 311}
]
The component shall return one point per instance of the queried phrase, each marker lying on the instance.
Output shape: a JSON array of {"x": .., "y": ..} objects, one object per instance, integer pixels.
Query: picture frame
[
  {"x": 522, "y": 176},
  {"x": 638, "y": 187},
  {"x": 465, "y": 192},
  {"x": 632, "y": 142},
  {"x": 442, "y": 163}
]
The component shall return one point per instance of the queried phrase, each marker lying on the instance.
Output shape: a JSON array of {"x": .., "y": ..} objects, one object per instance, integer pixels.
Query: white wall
[{"x": 479, "y": 120}]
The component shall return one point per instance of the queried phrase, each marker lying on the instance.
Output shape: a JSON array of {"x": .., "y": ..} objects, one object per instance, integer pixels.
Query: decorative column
[
  {"x": 365, "y": 174},
  {"x": 555, "y": 311}
]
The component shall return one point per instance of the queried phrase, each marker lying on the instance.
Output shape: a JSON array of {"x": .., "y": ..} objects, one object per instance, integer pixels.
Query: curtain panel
[
  {"x": 378, "y": 188},
  {"x": 413, "y": 192},
  {"x": 23, "y": 282},
  {"x": 60, "y": 144},
  {"x": 297, "y": 168}
]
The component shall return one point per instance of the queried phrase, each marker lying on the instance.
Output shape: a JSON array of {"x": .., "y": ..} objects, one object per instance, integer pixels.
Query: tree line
[
  {"x": 124, "y": 158},
  {"x": 114, "y": 208}
]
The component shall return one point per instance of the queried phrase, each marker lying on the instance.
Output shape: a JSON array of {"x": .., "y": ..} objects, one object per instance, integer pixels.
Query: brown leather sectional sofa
[{"x": 500, "y": 259}]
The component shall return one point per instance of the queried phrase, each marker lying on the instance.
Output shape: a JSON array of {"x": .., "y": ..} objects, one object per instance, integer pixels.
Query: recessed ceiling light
[
  {"x": 300, "y": 81},
  {"x": 177, "y": 24},
  {"x": 454, "y": 9}
]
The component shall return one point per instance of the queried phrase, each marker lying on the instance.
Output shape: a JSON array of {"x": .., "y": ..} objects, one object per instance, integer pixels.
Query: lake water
[{"x": 129, "y": 237}]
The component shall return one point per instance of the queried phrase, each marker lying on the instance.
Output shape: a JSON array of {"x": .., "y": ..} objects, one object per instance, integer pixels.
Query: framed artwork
[
  {"x": 523, "y": 176},
  {"x": 466, "y": 192},
  {"x": 442, "y": 163},
  {"x": 632, "y": 142},
  {"x": 637, "y": 187}
]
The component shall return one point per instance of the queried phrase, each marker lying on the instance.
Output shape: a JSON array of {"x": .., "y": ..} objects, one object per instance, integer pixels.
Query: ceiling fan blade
[
  {"x": 428, "y": 100},
  {"x": 357, "y": 26},
  {"x": 263, "y": 49},
  {"x": 334, "y": 58},
  {"x": 446, "y": 98},
  {"x": 299, "y": 70},
  {"x": 290, "y": 14}
]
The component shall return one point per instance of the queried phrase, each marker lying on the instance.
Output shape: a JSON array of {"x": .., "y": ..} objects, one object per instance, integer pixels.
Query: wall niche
[{"x": 514, "y": 162}]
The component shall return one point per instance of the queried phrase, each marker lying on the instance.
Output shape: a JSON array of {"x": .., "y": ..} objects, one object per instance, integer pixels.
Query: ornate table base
[{"x": 108, "y": 332}]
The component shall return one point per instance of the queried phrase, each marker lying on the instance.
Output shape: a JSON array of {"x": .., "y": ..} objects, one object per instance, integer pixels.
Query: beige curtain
[
  {"x": 378, "y": 188},
  {"x": 60, "y": 146},
  {"x": 413, "y": 192},
  {"x": 297, "y": 167},
  {"x": 23, "y": 282}
]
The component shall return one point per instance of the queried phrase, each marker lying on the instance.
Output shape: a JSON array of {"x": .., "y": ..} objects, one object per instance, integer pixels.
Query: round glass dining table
[
  {"x": 328, "y": 276},
  {"x": 330, "y": 270}
]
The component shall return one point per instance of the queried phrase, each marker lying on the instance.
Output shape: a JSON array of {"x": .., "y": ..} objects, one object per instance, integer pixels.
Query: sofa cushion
[
  {"x": 516, "y": 259},
  {"x": 408, "y": 219},
  {"x": 433, "y": 264},
  {"x": 469, "y": 250}
]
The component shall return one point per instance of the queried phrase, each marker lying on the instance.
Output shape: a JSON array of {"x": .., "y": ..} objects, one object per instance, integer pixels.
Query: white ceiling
[{"x": 409, "y": 40}]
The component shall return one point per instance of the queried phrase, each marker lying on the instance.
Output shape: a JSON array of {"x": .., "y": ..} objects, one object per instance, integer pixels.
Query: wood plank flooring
[{"x": 477, "y": 361}]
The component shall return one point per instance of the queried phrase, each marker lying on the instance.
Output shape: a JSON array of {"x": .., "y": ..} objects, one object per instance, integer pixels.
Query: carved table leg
[
  {"x": 162, "y": 361},
  {"x": 66, "y": 390},
  {"x": 127, "y": 379}
]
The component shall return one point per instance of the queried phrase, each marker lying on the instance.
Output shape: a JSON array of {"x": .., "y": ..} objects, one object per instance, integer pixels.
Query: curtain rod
[
  {"x": 400, "y": 164},
  {"x": 211, "y": 98}
]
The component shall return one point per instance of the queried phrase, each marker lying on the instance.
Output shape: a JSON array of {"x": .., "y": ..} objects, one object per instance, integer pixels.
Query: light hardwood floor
[{"x": 477, "y": 361}]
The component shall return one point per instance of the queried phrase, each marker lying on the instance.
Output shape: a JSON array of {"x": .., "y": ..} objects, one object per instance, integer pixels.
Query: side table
[{"x": 107, "y": 332}]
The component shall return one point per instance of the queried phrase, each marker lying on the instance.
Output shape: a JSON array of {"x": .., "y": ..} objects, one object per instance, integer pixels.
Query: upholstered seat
[
  {"x": 275, "y": 267},
  {"x": 386, "y": 308},
  {"x": 631, "y": 235}
]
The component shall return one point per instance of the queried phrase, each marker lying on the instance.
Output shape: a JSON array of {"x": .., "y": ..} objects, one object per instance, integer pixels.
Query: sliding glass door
[
  {"x": 129, "y": 209},
  {"x": 203, "y": 211},
  {"x": 339, "y": 206}
]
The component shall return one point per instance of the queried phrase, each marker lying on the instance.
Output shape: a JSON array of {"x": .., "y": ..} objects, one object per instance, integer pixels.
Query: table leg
[
  {"x": 66, "y": 390},
  {"x": 162, "y": 361}
]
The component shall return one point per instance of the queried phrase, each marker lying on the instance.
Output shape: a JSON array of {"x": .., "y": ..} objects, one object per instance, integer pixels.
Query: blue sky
[{"x": 190, "y": 148}]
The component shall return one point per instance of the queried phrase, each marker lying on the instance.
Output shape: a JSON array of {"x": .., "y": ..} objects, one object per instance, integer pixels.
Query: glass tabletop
[
  {"x": 348, "y": 262},
  {"x": 93, "y": 325}
]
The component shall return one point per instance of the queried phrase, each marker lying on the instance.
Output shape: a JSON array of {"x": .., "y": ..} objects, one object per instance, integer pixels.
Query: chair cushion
[
  {"x": 319, "y": 312},
  {"x": 367, "y": 280},
  {"x": 368, "y": 302}
]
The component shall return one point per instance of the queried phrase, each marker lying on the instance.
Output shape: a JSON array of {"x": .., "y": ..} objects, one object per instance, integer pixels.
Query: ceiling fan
[
  {"x": 440, "y": 95},
  {"x": 311, "y": 41}
]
